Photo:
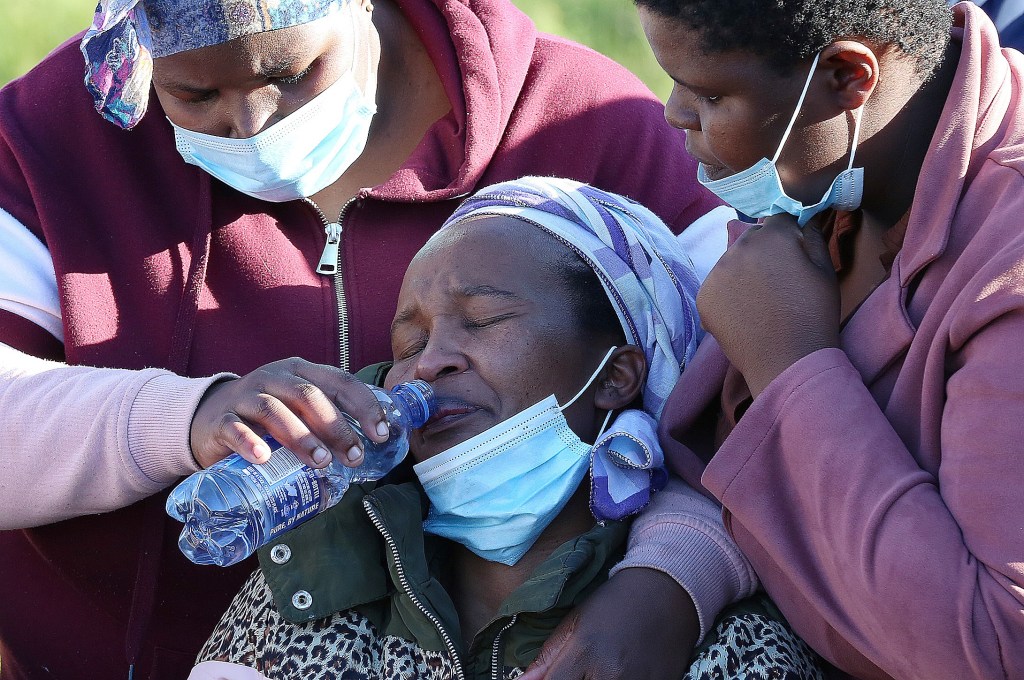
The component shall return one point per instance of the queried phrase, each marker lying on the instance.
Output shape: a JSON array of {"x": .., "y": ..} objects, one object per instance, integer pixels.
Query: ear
[
  {"x": 622, "y": 379},
  {"x": 852, "y": 68}
]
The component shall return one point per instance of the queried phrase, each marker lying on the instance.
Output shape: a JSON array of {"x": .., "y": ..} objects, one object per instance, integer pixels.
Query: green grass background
[{"x": 29, "y": 29}]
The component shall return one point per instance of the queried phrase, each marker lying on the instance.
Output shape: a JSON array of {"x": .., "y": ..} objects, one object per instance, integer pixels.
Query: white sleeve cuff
[
  {"x": 28, "y": 284},
  {"x": 706, "y": 239}
]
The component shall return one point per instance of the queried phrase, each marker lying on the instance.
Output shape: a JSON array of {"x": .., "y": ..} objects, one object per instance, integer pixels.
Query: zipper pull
[{"x": 329, "y": 260}]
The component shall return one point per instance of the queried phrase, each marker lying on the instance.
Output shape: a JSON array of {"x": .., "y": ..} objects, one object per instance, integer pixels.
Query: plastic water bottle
[{"x": 233, "y": 507}]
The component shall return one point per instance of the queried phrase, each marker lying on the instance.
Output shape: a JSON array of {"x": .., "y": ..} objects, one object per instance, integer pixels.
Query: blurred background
[{"x": 29, "y": 29}]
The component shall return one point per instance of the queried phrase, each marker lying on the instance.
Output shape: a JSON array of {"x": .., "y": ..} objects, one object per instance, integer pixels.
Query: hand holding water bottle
[
  {"x": 236, "y": 505},
  {"x": 298, "y": 403}
]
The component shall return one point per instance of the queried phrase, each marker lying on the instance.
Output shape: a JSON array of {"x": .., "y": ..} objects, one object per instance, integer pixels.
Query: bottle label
[
  {"x": 291, "y": 491},
  {"x": 281, "y": 464}
]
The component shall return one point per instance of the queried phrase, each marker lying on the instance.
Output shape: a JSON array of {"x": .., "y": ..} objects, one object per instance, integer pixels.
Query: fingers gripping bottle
[{"x": 234, "y": 507}]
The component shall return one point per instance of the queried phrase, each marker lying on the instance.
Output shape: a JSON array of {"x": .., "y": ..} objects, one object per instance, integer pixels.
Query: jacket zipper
[
  {"x": 496, "y": 648},
  {"x": 330, "y": 263},
  {"x": 404, "y": 583}
]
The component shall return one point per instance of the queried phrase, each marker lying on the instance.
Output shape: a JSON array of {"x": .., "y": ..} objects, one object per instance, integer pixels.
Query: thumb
[
  {"x": 551, "y": 650},
  {"x": 816, "y": 248}
]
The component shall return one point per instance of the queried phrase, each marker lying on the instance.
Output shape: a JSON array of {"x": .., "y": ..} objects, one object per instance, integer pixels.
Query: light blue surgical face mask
[
  {"x": 495, "y": 493},
  {"x": 758, "y": 191},
  {"x": 298, "y": 156}
]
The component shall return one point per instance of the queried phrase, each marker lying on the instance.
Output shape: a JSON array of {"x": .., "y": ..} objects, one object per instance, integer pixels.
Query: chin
[{"x": 440, "y": 436}]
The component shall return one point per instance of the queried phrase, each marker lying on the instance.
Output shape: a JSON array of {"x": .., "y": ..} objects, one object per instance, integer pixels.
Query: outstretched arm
[
  {"x": 680, "y": 571},
  {"x": 80, "y": 440}
]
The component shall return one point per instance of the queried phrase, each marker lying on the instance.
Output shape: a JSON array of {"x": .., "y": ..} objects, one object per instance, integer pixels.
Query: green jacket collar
[{"x": 370, "y": 553}]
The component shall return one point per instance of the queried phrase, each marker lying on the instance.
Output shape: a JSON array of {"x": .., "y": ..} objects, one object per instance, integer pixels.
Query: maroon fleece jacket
[{"x": 159, "y": 265}]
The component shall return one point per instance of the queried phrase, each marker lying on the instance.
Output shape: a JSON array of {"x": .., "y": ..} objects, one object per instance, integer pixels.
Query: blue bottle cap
[{"x": 419, "y": 399}]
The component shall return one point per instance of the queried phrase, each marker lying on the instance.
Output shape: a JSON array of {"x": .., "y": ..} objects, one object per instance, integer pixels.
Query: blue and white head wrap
[
  {"x": 653, "y": 288},
  {"x": 126, "y": 35}
]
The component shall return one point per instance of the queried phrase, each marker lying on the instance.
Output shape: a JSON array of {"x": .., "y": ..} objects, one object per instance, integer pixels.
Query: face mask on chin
[
  {"x": 758, "y": 191},
  {"x": 298, "y": 156},
  {"x": 496, "y": 492}
]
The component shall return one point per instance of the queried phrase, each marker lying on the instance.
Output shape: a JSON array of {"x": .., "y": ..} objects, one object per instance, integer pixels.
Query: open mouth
[{"x": 449, "y": 412}]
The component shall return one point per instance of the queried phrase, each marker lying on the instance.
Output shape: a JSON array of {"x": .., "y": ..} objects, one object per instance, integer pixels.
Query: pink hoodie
[{"x": 878, "y": 489}]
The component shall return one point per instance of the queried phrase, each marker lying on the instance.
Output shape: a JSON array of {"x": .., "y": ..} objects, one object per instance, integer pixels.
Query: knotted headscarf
[
  {"x": 653, "y": 288},
  {"x": 126, "y": 35}
]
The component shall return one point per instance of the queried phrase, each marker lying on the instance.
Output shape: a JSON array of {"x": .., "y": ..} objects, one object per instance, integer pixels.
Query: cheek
[
  {"x": 396, "y": 374},
  {"x": 736, "y": 141}
]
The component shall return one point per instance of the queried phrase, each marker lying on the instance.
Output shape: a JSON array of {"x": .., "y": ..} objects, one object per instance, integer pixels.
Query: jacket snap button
[
  {"x": 280, "y": 553},
  {"x": 302, "y": 600}
]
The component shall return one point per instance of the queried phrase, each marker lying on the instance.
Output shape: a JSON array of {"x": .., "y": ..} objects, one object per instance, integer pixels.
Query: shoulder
[
  {"x": 52, "y": 100},
  {"x": 583, "y": 76},
  {"x": 982, "y": 270},
  {"x": 582, "y": 115},
  {"x": 54, "y": 144}
]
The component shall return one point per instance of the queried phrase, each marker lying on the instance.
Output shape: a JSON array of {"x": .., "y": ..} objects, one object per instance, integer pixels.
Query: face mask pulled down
[
  {"x": 495, "y": 493},
  {"x": 758, "y": 191},
  {"x": 298, "y": 156}
]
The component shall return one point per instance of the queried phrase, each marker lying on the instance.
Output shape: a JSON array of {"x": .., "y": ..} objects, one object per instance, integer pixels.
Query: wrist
[
  {"x": 672, "y": 604},
  {"x": 766, "y": 372}
]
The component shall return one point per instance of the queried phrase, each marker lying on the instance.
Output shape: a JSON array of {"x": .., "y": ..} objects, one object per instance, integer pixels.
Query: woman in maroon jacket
[{"x": 240, "y": 221}]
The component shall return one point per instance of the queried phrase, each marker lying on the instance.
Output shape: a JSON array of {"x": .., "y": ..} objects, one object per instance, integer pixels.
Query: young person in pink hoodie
[
  {"x": 261, "y": 175},
  {"x": 859, "y": 411}
]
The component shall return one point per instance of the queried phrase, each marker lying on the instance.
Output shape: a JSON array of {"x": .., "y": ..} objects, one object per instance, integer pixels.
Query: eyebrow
[
  {"x": 184, "y": 87},
  {"x": 277, "y": 65},
  {"x": 484, "y": 290}
]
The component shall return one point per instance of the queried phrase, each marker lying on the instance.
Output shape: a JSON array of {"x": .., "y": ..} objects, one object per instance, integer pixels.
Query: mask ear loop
[
  {"x": 856, "y": 136},
  {"x": 579, "y": 394},
  {"x": 799, "y": 105},
  {"x": 600, "y": 367}
]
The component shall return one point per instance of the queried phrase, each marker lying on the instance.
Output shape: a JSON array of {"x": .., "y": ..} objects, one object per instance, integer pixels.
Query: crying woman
[{"x": 552, "y": 320}]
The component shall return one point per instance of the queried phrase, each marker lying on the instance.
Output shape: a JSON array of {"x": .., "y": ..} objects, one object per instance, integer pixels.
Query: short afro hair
[{"x": 786, "y": 32}]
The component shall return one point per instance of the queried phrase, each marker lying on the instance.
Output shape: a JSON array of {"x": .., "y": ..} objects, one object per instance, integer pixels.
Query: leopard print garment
[
  {"x": 253, "y": 633},
  {"x": 747, "y": 642}
]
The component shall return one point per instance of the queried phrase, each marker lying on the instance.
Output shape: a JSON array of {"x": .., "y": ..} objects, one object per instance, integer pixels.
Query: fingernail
[
  {"x": 354, "y": 454},
  {"x": 321, "y": 455},
  {"x": 382, "y": 429},
  {"x": 262, "y": 451}
]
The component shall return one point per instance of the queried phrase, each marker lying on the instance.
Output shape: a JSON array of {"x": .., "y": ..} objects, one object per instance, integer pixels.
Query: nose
[
  {"x": 440, "y": 357},
  {"x": 680, "y": 111},
  {"x": 250, "y": 113}
]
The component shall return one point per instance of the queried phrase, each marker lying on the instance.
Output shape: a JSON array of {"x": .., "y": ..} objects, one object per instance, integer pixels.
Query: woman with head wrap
[
  {"x": 545, "y": 314},
  {"x": 261, "y": 173}
]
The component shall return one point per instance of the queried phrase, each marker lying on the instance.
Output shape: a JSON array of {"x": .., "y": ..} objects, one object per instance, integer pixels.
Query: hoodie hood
[{"x": 483, "y": 51}]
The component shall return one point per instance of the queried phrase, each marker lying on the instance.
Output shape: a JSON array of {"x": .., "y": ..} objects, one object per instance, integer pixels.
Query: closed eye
[
  {"x": 295, "y": 79},
  {"x": 408, "y": 348},
  {"x": 489, "y": 321}
]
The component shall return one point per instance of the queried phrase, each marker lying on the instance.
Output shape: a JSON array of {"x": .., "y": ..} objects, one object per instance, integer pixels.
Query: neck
[
  {"x": 479, "y": 587},
  {"x": 894, "y": 155},
  {"x": 410, "y": 99}
]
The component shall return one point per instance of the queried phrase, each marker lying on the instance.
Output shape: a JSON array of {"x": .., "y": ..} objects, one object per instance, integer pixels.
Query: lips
[
  {"x": 449, "y": 412},
  {"x": 711, "y": 168}
]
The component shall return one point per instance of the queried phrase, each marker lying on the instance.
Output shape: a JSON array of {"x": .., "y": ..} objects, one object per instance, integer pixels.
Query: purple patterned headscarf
[
  {"x": 652, "y": 285},
  {"x": 126, "y": 35}
]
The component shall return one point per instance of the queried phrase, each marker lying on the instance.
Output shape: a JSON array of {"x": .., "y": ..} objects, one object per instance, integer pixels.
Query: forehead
[
  {"x": 494, "y": 250},
  {"x": 266, "y": 52},
  {"x": 684, "y": 54}
]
